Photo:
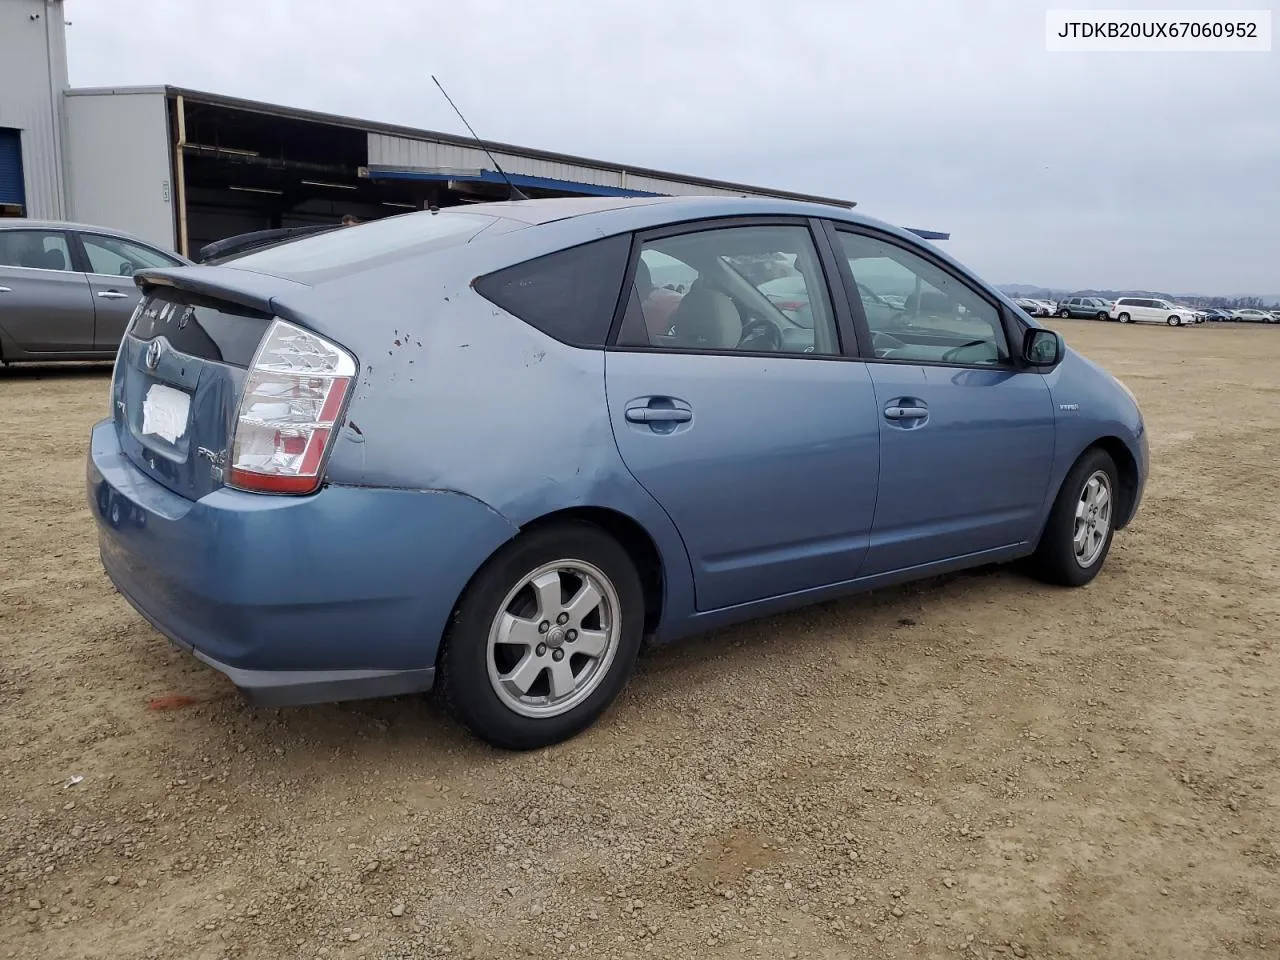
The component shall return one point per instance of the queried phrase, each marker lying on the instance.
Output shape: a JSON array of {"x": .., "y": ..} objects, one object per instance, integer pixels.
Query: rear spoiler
[
  {"x": 253, "y": 290},
  {"x": 244, "y": 242}
]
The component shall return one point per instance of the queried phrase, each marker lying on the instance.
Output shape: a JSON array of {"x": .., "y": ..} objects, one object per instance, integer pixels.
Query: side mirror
[{"x": 1042, "y": 347}]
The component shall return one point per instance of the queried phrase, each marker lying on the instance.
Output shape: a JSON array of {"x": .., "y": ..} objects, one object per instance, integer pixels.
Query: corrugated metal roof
[{"x": 395, "y": 130}]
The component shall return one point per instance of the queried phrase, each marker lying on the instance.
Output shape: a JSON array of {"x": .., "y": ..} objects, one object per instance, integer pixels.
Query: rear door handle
[
  {"x": 6, "y": 290},
  {"x": 658, "y": 415},
  {"x": 905, "y": 413},
  {"x": 113, "y": 295}
]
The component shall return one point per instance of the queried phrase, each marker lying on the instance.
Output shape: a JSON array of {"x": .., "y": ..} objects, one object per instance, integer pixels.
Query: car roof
[
  {"x": 543, "y": 226},
  {"x": 550, "y": 209},
  {"x": 24, "y": 224},
  {"x": 666, "y": 209}
]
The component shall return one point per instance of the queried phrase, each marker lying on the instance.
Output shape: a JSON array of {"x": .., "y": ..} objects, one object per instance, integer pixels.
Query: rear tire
[
  {"x": 514, "y": 668},
  {"x": 1078, "y": 534},
  {"x": 1123, "y": 318},
  {"x": 1065, "y": 314}
]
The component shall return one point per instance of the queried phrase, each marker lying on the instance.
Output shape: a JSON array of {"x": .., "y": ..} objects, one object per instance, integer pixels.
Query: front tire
[
  {"x": 1078, "y": 534},
  {"x": 544, "y": 637},
  {"x": 1101, "y": 316},
  {"x": 1065, "y": 314},
  {"x": 1174, "y": 321}
]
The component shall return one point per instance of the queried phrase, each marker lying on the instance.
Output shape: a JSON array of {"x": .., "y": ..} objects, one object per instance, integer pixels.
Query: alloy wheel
[
  {"x": 1093, "y": 518},
  {"x": 553, "y": 639}
]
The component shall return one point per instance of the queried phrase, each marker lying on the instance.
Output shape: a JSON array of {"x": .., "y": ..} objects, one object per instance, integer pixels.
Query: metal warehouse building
[{"x": 182, "y": 168}]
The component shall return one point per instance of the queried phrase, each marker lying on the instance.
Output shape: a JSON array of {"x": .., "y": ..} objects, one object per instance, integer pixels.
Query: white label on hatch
[{"x": 164, "y": 412}]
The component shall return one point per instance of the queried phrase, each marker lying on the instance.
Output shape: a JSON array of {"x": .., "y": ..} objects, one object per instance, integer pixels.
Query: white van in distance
[{"x": 1143, "y": 310}]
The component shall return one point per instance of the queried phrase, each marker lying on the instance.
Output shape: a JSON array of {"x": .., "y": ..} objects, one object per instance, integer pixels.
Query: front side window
[
  {"x": 113, "y": 257},
  {"x": 756, "y": 289},
  {"x": 919, "y": 312},
  {"x": 35, "y": 249}
]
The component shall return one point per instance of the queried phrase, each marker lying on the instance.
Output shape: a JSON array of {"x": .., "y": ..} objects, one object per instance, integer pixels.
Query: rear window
[
  {"x": 570, "y": 295},
  {"x": 200, "y": 326},
  {"x": 348, "y": 250}
]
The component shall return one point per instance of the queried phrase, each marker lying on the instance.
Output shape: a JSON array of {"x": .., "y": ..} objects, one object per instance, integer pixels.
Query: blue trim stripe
[
  {"x": 519, "y": 179},
  {"x": 11, "y": 187}
]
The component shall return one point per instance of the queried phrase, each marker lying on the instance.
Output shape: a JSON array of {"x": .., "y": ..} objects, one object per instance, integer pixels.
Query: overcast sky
[{"x": 1078, "y": 170}]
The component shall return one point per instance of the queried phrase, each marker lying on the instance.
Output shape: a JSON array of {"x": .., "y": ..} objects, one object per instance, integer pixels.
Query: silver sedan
[{"x": 67, "y": 290}]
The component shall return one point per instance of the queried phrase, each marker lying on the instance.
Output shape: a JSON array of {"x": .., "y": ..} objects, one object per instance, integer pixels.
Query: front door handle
[
  {"x": 6, "y": 290},
  {"x": 905, "y": 413},
  {"x": 113, "y": 295},
  {"x": 658, "y": 415}
]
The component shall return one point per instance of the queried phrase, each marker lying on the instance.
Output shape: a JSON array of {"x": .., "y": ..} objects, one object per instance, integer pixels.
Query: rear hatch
[
  {"x": 178, "y": 379},
  {"x": 183, "y": 365}
]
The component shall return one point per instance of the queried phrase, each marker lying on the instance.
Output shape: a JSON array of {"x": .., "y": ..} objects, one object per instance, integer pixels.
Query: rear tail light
[{"x": 297, "y": 386}]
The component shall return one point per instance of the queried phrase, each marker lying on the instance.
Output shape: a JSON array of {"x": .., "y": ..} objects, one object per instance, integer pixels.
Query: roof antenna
[{"x": 515, "y": 192}]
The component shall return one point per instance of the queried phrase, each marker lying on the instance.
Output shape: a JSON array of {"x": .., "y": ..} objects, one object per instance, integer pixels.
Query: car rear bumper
[{"x": 340, "y": 595}]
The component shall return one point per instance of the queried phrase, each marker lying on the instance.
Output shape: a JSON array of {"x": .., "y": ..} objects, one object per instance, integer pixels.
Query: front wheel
[
  {"x": 1174, "y": 321},
  {"x": 1077, "y": 536},
  {"x": 1065, "y": 314},
  {"x": 544, "y": 637},
  {"x": 1101, "y": 315},
  {"x": 1123, "y": 318}
]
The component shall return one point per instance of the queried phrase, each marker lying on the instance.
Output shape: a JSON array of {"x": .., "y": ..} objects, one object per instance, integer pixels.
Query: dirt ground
[{"x": 980, "y": 766}]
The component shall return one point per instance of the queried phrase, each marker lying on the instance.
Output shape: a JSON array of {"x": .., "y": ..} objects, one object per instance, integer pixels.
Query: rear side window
[
  {"x": 36, "y": 249},
  {"x": 570, "y": 294}
]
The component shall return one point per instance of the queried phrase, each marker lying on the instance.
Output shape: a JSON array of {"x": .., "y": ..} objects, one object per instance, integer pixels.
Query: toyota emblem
[{"x": 153, "y": 354}]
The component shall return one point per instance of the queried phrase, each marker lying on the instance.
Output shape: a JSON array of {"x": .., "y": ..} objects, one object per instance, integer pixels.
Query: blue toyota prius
[{"x": 497, "y": 449}]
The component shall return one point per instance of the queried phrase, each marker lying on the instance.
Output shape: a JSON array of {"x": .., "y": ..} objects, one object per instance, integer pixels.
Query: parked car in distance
[
  {"x": 1151, "y": 310},
  {"x": 791, "y": 296},
  {"x": 1250, "y": 315},
  {"x": 67, "y": 290},
  {"x": 1034, "y": 308},
  {"x": 1216, "y": 314},
  {"x": 1093, "y": 308},
  {"x": 307, "y": 478}
]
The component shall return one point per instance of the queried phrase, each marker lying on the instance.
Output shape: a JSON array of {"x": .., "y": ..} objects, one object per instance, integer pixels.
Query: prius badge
[{"x": 1069, "y": 407}]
